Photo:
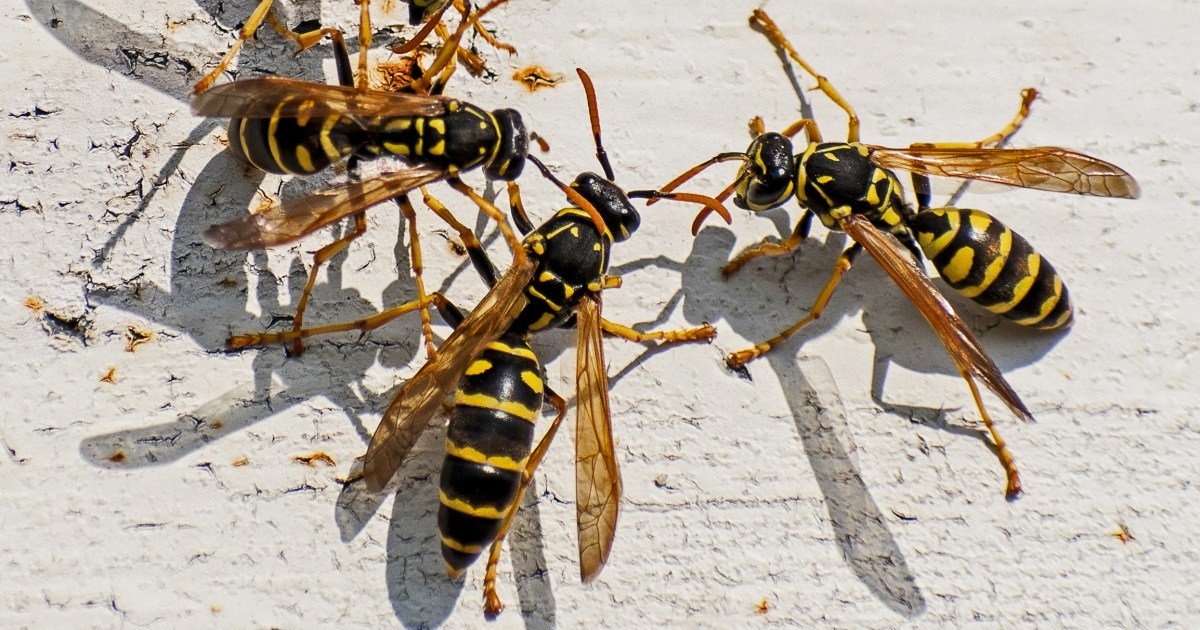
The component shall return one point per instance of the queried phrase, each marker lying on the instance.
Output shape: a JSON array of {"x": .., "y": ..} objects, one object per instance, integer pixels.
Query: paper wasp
[
  {"x": 555, "y": 280},
  {"x": 287, "y": 126},
  {"x": 849, "y": 187},
  {"x": 420, "y": 11}
]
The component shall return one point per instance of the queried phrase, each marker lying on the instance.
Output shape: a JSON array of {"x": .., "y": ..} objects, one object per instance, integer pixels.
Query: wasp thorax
[
  {"x": 509, "y": 160},
  {"x": 611, "y": 202}
]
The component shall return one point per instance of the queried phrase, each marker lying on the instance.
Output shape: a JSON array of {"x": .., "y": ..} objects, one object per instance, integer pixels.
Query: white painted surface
[{"x": 795, "y": 488}]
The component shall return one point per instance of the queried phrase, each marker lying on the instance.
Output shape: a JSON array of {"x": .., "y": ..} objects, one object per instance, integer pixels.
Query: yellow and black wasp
[
  {"x": 849, "y": 187},
  {"x": 556, "y": 278},
  {"x": 287, "y": 126},
  {"x": 428, "y": 12}
]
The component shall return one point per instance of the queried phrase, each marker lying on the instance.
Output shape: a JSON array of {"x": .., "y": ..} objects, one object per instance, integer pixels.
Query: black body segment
[
  {"x": 838, "y": 178},
  {"x": 986, "y": 261},
  {"x": 488, "y": 440},
  {"x": 462, "y": 137},
  {"x": 491, "y": 430}
]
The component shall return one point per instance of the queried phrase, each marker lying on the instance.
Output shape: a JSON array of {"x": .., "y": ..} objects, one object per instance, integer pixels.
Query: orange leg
[
  {"x": 319, "y": 258},
  {"x": 491, "y": 599},
  {"x": 843, "y": 264}
]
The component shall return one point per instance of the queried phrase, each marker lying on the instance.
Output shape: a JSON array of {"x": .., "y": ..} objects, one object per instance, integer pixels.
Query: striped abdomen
[
  {"x": 984, "y": 260},
  {"x": 487, "y": 444},
  {"x": 294, "y": 145}
]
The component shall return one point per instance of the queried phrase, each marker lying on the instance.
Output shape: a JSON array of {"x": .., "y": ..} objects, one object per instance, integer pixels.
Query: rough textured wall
[{"x": 797, "y": 498}]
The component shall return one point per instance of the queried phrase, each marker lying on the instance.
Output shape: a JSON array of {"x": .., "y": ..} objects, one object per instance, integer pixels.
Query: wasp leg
[
  {"x": 1028, "y": 96},
  {"x": 776, "y": 36},
  {"x": 319, "y": 258},
  {"x": 364, "y": 43},
  {"x": 809, "y": 126},
  {"x": 843, "y": 264},
  {"x": 418, "y": 267},
  {"x": 492, "y": 211},
  {"x": 491, "y": 599},
  {"x": 484, "y": 33},
  {"x": 517, "y": 209},
  {"x": 921, "y": 187},
  {"x": 1013, "y": 485},
  {"x": 771, "y": 248},
  {"x": 363, "y": 325},
  {"x": 700, "y": 333},
  {"x": 475, "y": 251},
  {"x": 248, "y": 29}
]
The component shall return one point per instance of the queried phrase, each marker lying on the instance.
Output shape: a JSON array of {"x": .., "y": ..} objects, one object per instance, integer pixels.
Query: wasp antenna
[
  {"x": 572, "y": 194},
  {"x": 710, "y": 204},
  {"x": 594, "y": 115}
]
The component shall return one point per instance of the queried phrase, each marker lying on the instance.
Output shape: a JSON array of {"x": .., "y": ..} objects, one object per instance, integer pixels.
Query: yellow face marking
[
  {"x": 575, "y": 231},
  {"x": 491, "y": 402},
  {"x": 596, "y": 247},
  {"x": 532, "y": 380},
  {"x": 459, "y": 505},
  {"x": 479, "y": 367}
]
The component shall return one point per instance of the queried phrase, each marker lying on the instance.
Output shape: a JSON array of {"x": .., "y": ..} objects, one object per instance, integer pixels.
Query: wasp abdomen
[
  {"x": 488, "y": 441},
  {"x": 984, "y": 260},
  {"x": 293, "y": 145}
]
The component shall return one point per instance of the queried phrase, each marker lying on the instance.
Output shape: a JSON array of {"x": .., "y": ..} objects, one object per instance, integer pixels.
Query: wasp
[
  {"x": 556, "y": 279},
  {"x": 420, "y": 11},
  {"x": 850, "y": 187},
  {"x": 287, "y": 126}
]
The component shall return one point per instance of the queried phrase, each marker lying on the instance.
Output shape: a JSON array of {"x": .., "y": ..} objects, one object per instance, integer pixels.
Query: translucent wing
[
  {"x": 275, "y": 96},
  {"x": 1041, "y": 168},
  {"x": 597, "y": 480},
  {"x": 961, "y": 344},
  {"x": 409, "y": 412},
  {"x": 289, "y": 221}
]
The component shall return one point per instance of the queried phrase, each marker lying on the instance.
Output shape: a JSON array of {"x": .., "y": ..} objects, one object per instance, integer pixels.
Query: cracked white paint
[{"x": 795, "y": 489}]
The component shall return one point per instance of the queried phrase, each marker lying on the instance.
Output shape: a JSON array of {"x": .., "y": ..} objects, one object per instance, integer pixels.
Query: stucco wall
[{"x": 796, "y": 489}]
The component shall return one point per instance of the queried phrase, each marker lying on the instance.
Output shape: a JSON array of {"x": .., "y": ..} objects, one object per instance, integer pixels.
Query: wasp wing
[
  {"x": 410, "y": 411},
  {"x": 268, "y": 97},
  {"x": 962, "y": 346},
  {"x": 1042, "y": 168},
  {"x": 289, "y": 221},
  {"x": 597, "y": 480}
]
